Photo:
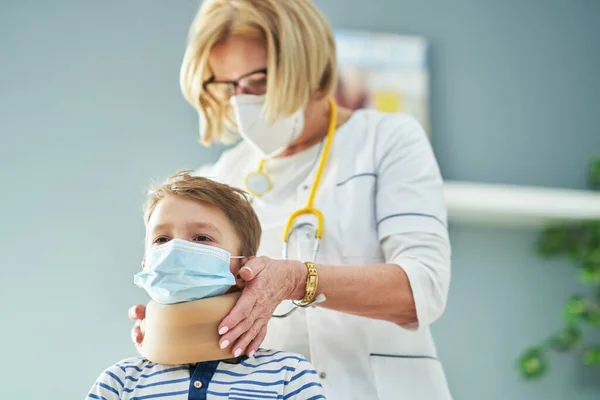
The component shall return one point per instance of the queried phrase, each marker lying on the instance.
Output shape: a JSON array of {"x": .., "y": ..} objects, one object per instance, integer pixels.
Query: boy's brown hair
[{"x": 232, "y": 202}]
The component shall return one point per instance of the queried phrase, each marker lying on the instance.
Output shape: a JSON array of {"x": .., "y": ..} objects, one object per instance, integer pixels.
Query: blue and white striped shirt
[{"x": 267, "y": 375}]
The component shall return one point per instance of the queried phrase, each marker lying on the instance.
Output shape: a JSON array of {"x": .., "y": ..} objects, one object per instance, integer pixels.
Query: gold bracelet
[{"x": 312, "y": 282}]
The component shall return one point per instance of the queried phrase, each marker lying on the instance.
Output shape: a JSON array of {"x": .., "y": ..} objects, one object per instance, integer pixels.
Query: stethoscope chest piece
[{"x": 258, "y": 183}]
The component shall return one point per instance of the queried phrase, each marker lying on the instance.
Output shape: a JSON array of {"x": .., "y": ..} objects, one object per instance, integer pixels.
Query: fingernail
[
  {"x": 237, "y": 353},
  {"x": 251, "y": 354},
  {"x": 223, "y": 330},
  {"x": 248, "y": 269},
  {"x": 224, "y": 343}
]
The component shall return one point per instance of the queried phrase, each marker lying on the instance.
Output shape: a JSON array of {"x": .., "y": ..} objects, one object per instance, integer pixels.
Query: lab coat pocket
[
  {"x": 410, "y": 377},
  {"x": 355, "y": 215}
]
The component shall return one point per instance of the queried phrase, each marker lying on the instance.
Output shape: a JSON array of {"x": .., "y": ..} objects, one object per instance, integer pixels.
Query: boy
[{"x": 195, "y": 212}]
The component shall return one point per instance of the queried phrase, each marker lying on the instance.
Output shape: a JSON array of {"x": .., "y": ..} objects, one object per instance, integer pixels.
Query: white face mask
[{"x": 268, "y": 139}]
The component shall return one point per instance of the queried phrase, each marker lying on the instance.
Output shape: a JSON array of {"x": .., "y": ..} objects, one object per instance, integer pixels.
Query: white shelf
[{"x": 518, "y": 205}]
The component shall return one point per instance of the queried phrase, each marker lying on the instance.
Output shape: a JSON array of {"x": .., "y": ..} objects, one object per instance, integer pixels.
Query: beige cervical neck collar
[{"x": 186, "y": 333}]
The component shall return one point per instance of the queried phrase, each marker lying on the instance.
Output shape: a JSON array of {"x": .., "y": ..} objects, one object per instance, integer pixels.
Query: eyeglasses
[{"x": 252, "y": 83}]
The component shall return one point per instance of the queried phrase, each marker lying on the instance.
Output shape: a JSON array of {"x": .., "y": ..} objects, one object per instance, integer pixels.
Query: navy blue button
[{"x": 200, "y": 377}]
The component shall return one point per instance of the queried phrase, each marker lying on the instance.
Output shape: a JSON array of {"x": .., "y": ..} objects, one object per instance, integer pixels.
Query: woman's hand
[
  {"x": 137, "y": 313},
  {"x": 268, "y": 283}
]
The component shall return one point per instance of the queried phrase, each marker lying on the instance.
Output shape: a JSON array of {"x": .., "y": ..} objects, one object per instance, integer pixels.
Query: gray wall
[{"x": 90, "y": 113}]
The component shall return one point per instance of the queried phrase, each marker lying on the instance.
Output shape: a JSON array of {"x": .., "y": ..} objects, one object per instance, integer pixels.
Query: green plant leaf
[
  {"x": 575, "y": 309},
  {"x": 552, "y": 240},
  {"x": 533, "y": 364},
  {"x": 580, "y": 242},
  {"x": 593, "y": 318},
  {"x": 595, "y": 227},
  {"x": 589, "y": 275},
  {"x": 577, "y": 252},
  {"x": 566, "y": 340},
  {"x": 594, "y": 174},
  {"x": 593, "y": 257},
  {"x": 592, "y": 356}
]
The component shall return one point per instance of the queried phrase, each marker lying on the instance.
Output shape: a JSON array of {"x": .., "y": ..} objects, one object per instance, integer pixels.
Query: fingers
[
  {"x": 240, "y": 312},
  {"x": 257, "y": 341},
  {"x": 137, "y": 312},
  {"x": 234, "y": 334},
  {"x": 247, "y": 330},
  {"x": 244, "y": 328},
  {"x": 241, "y": 345},
  {"x": 246, "y": 273},
  {"x": 137, "y": 336},
  {"x": 252, "y": 268}
]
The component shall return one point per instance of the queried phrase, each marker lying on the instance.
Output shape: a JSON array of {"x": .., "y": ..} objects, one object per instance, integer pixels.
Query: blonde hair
[
  {"x": 301, "y": 57},
  {"x": 231, "y": 201}
]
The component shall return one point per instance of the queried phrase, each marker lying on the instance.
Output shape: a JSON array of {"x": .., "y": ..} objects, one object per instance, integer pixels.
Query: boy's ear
[{"x": 143, "y": 263}]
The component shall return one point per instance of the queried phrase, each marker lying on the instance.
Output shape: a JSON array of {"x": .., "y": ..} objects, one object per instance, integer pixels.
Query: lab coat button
[
  {"x": 197, "y": 384},
  {"x": 322, "y": 375}
]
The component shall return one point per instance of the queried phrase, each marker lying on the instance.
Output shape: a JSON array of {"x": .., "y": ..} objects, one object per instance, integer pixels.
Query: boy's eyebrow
[
  {"x": 197, "y": 225},
  {"x": 204, "y": 225}
]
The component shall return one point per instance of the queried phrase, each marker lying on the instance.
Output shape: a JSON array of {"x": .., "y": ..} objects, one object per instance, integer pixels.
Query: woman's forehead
[{"x": 236, "y": 57}]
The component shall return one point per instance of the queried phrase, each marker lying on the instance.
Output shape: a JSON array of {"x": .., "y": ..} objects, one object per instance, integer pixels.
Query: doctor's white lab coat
[{"x": 382, "y": 198}]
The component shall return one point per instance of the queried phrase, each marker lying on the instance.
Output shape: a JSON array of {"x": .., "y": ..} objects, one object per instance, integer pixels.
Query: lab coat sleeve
[
  {"x": 425, "y": 257},
  {"x": 304, "y": 383},
  {"x": 109, "y": 385},
  {"x": 410, "y": 193},
  {"x": 411, "y": 213}
]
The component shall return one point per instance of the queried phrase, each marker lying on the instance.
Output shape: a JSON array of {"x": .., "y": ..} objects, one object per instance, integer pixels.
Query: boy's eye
[
  {"x": 161, "y": 240},
  {"x": 202, "y": 238}
]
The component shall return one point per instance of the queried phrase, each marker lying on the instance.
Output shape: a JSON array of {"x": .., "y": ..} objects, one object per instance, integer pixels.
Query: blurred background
[{"x": 91, "y": 114}]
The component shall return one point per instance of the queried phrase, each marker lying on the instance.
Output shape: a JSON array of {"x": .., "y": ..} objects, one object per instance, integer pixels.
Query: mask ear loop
[{"x": 237, "y": 276}]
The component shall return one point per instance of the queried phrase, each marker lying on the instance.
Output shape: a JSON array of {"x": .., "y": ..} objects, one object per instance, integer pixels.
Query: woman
[{"x": 381, "y": 274}]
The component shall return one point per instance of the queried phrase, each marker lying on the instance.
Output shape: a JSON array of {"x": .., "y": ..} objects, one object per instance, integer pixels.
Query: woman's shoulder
[
  {"x": 372, "y": 133},
  {"x": 378, "y": 123}
]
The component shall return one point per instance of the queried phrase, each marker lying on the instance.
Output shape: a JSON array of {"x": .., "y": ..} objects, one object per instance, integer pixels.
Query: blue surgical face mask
[{"x": 179, "y": 271}]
